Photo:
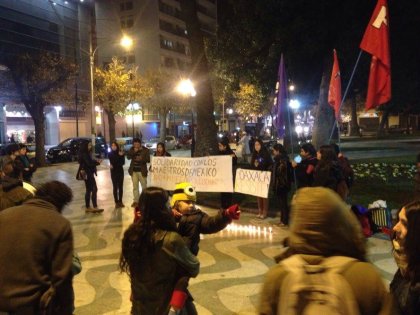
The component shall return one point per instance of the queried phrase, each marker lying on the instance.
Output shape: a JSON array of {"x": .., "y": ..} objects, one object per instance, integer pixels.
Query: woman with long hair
[
  {"x": 161, "y": 150},
  {"x": 152, "y": 252},
  {"x": 405, "y": 285},
  {"x": 328, "y": 172},
  {"x": 117, "y": 160},
  {"x": 88, "y": 166},
  {"x": 261, "y": 161}
]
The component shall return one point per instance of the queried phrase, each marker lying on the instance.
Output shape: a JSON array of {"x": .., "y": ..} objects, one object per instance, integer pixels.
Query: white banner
[
  {"x": 252, "y": 182},
  {"x": 210, "y": 173}
]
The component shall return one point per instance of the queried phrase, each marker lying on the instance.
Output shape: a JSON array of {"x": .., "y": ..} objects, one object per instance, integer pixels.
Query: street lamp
[
  {"x": 125, "y": 42},
  {"x": 186, "y": 88}
]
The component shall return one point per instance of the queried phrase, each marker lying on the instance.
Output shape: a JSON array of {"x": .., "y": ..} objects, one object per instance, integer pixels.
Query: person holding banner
[
  {"x": 161, "y": 150},
  {"x": 139, "y": 156},
  {"x": 226, "y": 198},
  {"x": 261, "y": 161}
]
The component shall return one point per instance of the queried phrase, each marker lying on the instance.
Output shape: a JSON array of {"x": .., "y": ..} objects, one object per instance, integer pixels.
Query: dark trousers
[
  {"x": 283, "y": 206},
  {"x": 117, "y": 185},
  {"x": 91, "y": 190},
  {"x": 226, "y": 199}
]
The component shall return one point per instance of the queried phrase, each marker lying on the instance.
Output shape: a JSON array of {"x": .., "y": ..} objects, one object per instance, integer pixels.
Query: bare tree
[{"x": 40, "y": 80}]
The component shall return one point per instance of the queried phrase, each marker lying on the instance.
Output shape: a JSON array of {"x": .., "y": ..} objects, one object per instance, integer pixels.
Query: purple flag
[{"x": 280, "y": 102}]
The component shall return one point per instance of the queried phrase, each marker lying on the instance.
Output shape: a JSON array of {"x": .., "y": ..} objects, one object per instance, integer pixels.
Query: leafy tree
[
  {"x": 113, "y": 90},
  {"x": 206, "y": 127},
  {"x": 249, "y": 101},
  {"x": 40, "y": 80}
]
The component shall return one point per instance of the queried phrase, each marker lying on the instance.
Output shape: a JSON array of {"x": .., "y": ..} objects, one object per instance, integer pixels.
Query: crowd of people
[{"x": 323, "y": 269}]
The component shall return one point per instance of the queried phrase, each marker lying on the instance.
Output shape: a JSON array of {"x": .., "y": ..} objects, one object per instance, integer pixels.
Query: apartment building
[{"x": 159, "y": 41}]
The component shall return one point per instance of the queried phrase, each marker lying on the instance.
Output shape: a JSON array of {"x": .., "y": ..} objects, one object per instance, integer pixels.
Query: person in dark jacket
[
  {"x": 139, "y": 156},
  {"x": 117, "y": 160},
  {"x": 328, "y": 173},
  {"x": 345, "y": 165},
  {"x": 191, "y": 223},
  {"x": 161, "y": 150},
  {"x": 12, "y": 192},
  {"x": 282, "y": 178},
  {"x": 305, "y": 169},
  {"x": 405, "y": 285},
  {"x": 226, "y": 198},
  {"x": 152, "y": 253},
  {"x": 261, "y": 161},
  {"x": 88, "y": 165},
  {"x": 36, "y": 259},
  {"x": 24, "y": 165}
]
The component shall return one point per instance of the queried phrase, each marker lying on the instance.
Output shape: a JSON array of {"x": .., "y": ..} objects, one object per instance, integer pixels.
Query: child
[{"x": 191, "y": 223}]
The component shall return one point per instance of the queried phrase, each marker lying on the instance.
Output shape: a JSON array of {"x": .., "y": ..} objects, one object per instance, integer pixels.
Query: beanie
[{"x": 183, "y": 192}]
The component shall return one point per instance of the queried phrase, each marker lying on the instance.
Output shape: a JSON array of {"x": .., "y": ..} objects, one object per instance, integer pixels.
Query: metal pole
[
  {"x": 345, "y": 95},
  {"x": 132, "y": 120},
  {"x": 192, "y": 130},
  {"x": 92, "y": 101},
  {"x": 76, "y": 101},
  {"x": 223, "y": 115}
]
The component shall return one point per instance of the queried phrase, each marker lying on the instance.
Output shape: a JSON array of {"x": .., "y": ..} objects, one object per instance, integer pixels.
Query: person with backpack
[
  {"x": 282, "y": 177},
  {"x": 324, "y": 269}
]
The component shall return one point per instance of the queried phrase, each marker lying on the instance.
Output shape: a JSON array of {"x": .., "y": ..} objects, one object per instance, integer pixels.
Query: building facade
[
  {"x": 160, "y": 40},
  {"x": 61, "y": 27}
]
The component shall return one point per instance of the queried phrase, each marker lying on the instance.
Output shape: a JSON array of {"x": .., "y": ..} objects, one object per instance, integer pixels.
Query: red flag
[
  {"x": 376, "y": 42},
  {"x": 334, "y": 93}
]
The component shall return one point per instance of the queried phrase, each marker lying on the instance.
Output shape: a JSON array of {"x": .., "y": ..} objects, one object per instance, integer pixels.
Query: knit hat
[{"x": 183, "y": 192}]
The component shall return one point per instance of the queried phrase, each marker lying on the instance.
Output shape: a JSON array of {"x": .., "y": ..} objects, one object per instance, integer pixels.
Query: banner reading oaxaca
[
  {"x": 252, "y": 182},
  {"x": 210, "y": 173}
]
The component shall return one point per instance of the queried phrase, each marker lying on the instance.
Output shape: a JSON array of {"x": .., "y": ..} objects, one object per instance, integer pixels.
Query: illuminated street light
[
  {"x": 186, "y": 88},
  {"x": 294, "y": 104},
  {"x": 126, "y": 41},
  {"x": 291, "y": 88}
]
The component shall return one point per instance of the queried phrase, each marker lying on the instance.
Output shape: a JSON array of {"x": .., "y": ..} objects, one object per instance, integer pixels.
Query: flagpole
[{"x": 344, "y": 97}]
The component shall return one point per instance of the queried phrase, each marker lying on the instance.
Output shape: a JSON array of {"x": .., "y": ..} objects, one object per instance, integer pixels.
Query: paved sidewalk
[{"x": 233, "y": 262}]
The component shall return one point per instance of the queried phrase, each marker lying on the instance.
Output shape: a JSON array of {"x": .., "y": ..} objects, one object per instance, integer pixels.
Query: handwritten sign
[
  {"x": 252, "y": 182},
  {"x": 210, "y": 173}
]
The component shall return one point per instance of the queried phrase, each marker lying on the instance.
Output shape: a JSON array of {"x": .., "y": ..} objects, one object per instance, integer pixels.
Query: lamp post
[
  {"x": 125, "y": 42},
  {"x": 186, "y": 88}
]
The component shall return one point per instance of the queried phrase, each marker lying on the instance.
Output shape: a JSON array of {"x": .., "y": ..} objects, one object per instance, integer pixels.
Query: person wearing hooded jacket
[{"x": 322, "y": 225}]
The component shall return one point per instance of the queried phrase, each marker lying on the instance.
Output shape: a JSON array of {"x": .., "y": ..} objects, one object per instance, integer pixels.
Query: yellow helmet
[{"x": 183, "y": 191}]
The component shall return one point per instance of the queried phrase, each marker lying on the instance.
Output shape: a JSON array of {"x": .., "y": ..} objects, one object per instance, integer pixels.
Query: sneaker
[
  {"x": 134, "y": 204},
  {"x": 122, "y": 205}
]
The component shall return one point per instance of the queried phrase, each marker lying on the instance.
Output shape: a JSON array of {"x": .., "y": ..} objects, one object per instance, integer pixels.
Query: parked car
[
  {"x": 68, "y": 150},
  {"x": 170, "y": 143}
]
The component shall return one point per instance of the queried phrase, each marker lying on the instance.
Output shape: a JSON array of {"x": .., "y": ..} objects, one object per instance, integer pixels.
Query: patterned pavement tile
[{"x": 233, "y": 262}]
